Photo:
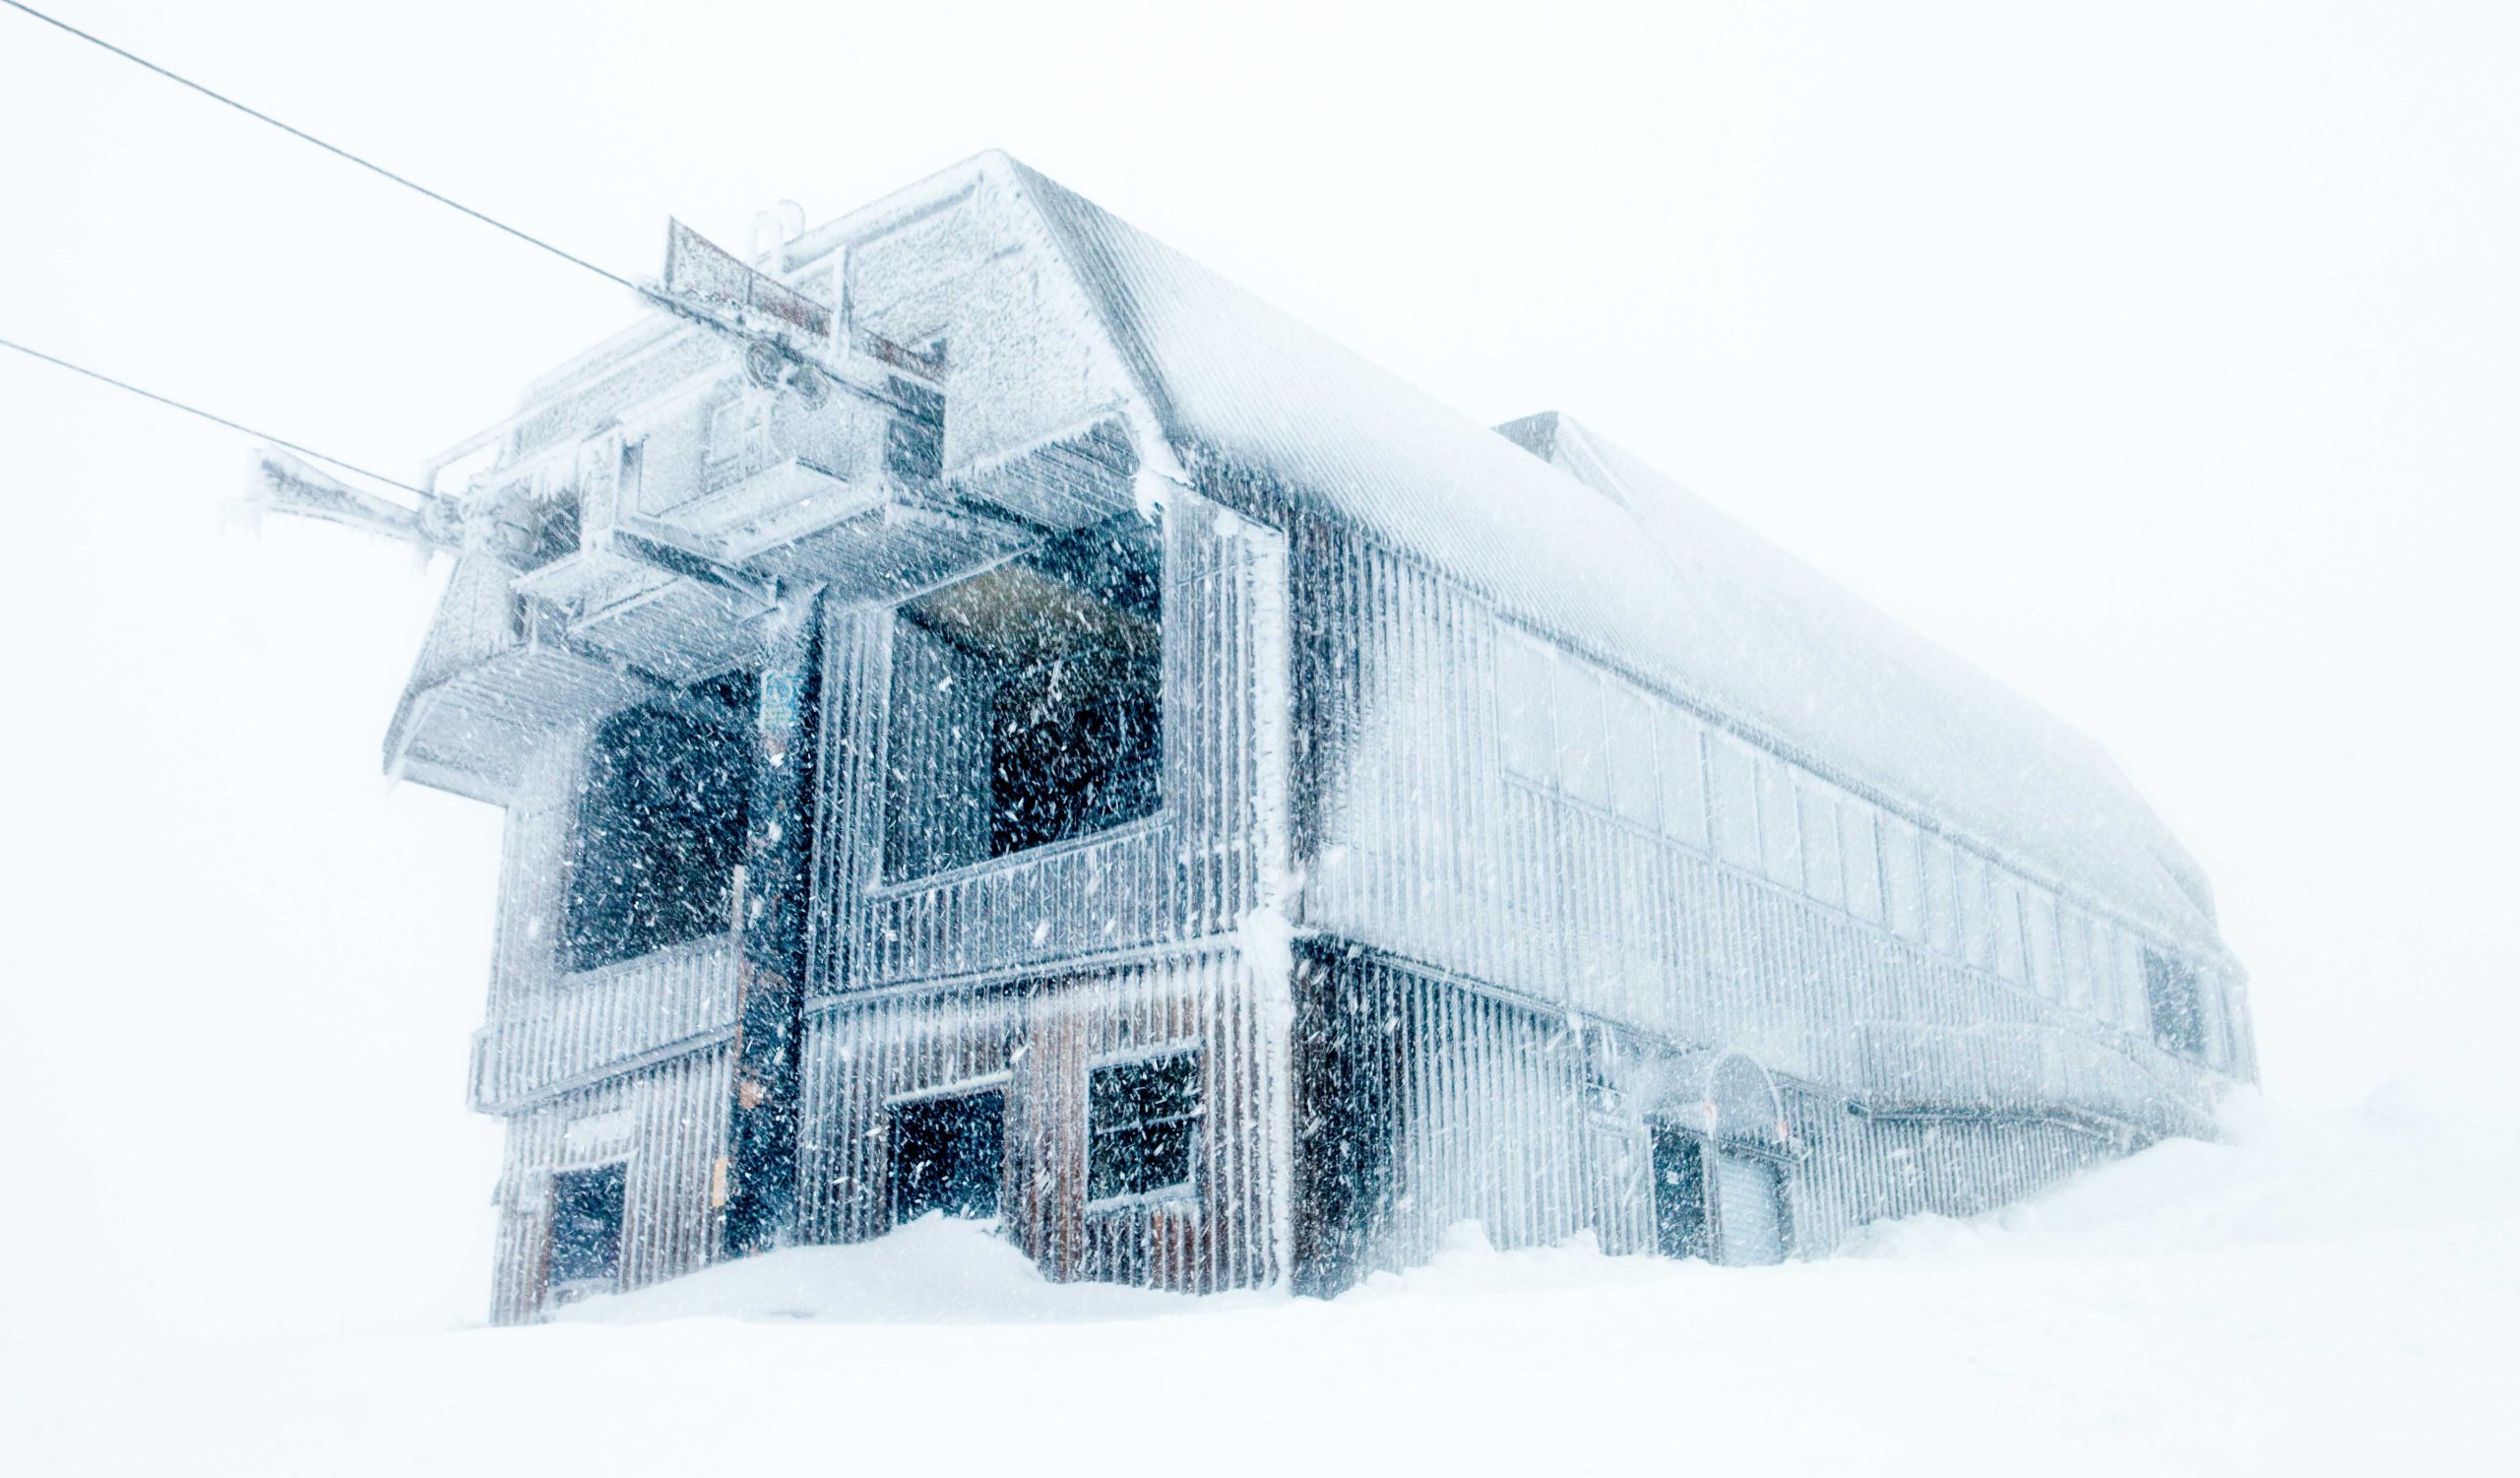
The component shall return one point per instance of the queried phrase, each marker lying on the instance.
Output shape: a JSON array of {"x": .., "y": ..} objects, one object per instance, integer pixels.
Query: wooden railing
[{"x": 598, "y": 1021}]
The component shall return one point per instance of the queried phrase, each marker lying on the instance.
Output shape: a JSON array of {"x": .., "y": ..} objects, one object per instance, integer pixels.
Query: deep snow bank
[
  {"x": 930, "y": 1271},
  {"x": 2418, "y": 1157},
  {"x": 2328, "y": 1293}
]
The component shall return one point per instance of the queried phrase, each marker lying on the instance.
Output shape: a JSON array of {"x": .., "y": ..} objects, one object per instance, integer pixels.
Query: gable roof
[{"x": 1564, "y": 531}]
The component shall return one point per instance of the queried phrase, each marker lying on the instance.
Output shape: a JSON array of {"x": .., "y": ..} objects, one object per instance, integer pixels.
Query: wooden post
[{"x": 777, "y": 882}]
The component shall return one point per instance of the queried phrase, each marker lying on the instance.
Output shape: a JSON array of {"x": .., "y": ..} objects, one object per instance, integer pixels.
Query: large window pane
[
  {"x": 2130, "y": 983},
  {"x": 1582, "y": 767},
  {"x": 661, "y": 816},
  {"x": 2174, "y": 1003},
  {"x": 2040, "y": 918},
  {"x": 1902, "y": 873},
  {"x": 1525, "y": 705},
  {"x": 1027, "y": 703},
  {"x": 1861, "y": 855},
  {"x": 1978, "y": 905},
  {"x": 1822, "y": 877},
  {"x": 1942, "y": 896},
  {"x": 2073, "y": 931},
  {"x": 1733, "y": 798},
  {"x": 1632, "y": 750},
  {"x": 1142, "y": 1128},
  {"x": 1780, "y": 840},
  {"x": 1683, "y": 773},
  {"x": 2004, "y": 896}
]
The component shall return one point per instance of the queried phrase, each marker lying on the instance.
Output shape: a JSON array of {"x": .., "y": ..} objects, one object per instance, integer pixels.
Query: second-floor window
[
  {"x": 2175, "y": 1000},
  {"x": 661, "y": 816},
  {"x": 1027, "y": 703}
]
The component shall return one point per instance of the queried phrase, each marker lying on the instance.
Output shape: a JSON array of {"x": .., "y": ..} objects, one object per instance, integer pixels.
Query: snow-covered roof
[{"x": 1568, "y": 533}]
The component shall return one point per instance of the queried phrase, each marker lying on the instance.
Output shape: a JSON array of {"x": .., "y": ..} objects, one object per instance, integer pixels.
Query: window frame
[
  {"x": 607, "y": 919},
  {"x": 1526, "y": 684},
  {"x": 895, "y": 873},
  {"x": 1187, "y": 1190}
]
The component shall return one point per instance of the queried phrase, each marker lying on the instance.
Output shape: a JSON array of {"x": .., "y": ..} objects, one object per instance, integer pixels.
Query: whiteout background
[{"x": 2158, "y": 358}]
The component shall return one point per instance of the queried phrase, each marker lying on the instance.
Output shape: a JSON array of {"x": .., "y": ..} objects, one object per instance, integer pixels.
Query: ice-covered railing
[
  {"x": 2024, "y": 1068},
  {"x": 697, "y": 267},
  {"x": 600, "y": 1019}
]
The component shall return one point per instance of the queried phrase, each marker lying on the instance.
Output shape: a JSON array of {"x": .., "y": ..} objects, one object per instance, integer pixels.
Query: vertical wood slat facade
[
  {"x": 1425, "y": 847},
  {"x": 1209, "y": 854},
  {"x": 1036, "y": 1040},
  {"x": 1422, "y": 1103},
  {"x": 1034, "y": 966},
  {"x": 665, "y": 1125}
]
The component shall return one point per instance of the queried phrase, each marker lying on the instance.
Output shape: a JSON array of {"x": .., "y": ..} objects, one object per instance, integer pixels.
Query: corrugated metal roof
[{"x": 1649, "y": 578}]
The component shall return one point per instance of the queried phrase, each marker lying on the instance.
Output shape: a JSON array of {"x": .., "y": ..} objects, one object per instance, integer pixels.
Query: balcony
[
  {"x": 491, "y": 683},
  {"x": 600, "y": 1021}
]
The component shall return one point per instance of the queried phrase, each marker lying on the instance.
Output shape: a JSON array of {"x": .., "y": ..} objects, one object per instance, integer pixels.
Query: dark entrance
[
  {"x": 585, "y": 1232},
  {"x": 1681, "y": 1227},
  {"x": 947, "y": 1153}
]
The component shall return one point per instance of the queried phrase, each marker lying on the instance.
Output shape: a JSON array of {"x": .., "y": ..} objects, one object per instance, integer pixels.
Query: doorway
[
  {"x": 1680, "y": 1225},
  {"x": 947, "y": 1154},
  {"x": 1749, "y": 1210},
  {"x": 585, "y": 1232}
]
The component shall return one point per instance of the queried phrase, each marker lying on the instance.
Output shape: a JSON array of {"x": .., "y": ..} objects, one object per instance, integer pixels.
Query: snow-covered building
[{"x": 994, "y": 719}]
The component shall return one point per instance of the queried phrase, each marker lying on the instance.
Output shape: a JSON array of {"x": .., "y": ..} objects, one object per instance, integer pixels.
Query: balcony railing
[
  {"x": 2014, "y": 1069},
  {"x": 600, "y": 1020}
]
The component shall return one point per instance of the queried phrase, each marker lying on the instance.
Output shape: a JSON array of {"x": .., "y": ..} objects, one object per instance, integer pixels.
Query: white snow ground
[{"x": 2332, "y": 1292}]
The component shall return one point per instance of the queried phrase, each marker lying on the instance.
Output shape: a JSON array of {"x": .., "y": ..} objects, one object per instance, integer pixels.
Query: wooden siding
[
  {"x": 1441, "y": 1058},
  {"x": 1039, "y": 1039},
  {"x": 1418, "y": 842},
  {"x": 598, "y": 1021},
  {"x": 1422, "y": 1103},
  {"x": 667, "y": 1125},
  {"x": 1213, "y": 852},
  {"x": 1859, "y": 1169}
]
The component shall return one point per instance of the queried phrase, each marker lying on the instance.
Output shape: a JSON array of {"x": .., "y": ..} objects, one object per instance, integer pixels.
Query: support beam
[{"x": 775, "y": 910}]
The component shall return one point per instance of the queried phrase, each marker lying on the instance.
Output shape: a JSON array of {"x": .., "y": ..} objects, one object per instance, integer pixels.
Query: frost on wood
[{"x": 994, "y": 720}]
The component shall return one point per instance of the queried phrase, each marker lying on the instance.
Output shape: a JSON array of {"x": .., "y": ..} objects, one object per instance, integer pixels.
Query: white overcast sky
[{"x": 2160, "y": 358}]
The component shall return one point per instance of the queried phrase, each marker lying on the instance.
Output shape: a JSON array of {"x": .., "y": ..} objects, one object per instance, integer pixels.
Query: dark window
[
  {"x": 1144, "y": 1126},
  {"x": 1025, "y": 703},
  {"x": 2172, "y": 997},
  {"x": 659, "y": 830},
  {"x": 585, "y": 1232},
  {"x": 947, "y": 1153}
]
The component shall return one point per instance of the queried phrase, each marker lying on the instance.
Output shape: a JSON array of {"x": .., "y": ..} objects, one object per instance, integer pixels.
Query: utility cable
[
  {"x": 332, "y": 149},
  {"x": 304, "y": 451}
]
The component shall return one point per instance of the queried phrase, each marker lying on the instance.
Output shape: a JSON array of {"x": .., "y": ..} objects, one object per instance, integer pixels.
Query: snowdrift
[{"x": 2327, "y": 1291}]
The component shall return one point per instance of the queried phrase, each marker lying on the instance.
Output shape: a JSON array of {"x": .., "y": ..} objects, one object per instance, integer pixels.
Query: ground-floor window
[
  {"x": 948, "y": 1152},
  {"x": 1143, "y": 1133},
  {"x": 585, "y": 1230}
]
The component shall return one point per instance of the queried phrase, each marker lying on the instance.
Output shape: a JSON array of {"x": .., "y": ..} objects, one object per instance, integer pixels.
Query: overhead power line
[
  {"x": 332, "y": 149},
  {"x": 303, "y": 451}
]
